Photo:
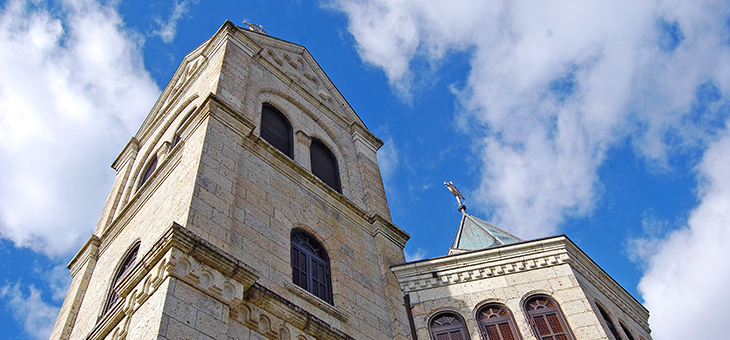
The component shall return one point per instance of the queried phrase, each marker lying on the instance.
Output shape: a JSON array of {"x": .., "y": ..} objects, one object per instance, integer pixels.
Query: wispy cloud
[
  {"x": 419, "y": 254},
  {"x": 691, "y": 263},
  {"x": 168, "y": 29},
  {"x": 73, "y": 89},
  {"x": 36, "y": 316},
  {"x": 559, "y": 84}
]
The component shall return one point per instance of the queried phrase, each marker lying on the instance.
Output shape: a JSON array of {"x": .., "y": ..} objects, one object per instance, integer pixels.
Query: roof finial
[
  {"x": 457, "y": 194},
  {"x": 255, "y": 27}
]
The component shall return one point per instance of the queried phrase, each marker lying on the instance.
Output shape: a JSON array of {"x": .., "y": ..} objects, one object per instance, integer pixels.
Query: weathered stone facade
[
  {"x": 509, "y": 275},
  {"x": 213, "y": 221}
]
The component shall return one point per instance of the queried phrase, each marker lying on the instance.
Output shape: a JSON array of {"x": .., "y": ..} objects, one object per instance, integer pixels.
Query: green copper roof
[{"x": 475, "y": 234}]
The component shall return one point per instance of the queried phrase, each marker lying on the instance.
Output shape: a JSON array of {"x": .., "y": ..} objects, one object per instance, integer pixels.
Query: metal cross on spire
[{"x": 457, "y": 194}]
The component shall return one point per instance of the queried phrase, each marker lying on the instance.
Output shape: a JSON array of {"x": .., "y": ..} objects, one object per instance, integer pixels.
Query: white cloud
[
  {"x": 36, "y": 316},
  {"x": 690, "y": 267},
  {"x": 73, "y": 88},
  {"x": 556, "y": 85},
  {"x": 168, "y": 29},
  {"x": 388, "y": 160},
  {"x": 419, "y": 254}
]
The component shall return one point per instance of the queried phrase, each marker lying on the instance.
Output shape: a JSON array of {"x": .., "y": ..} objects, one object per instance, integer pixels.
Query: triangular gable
[{"x": 296, "y": 63}]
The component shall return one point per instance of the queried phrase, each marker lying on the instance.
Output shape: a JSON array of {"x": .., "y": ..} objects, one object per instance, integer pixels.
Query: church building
[{"x": 250, "y": 205}]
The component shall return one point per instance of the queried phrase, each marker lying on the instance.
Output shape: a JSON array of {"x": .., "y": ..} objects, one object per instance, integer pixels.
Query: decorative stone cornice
[
  {"x": 262, "y": 305},
  {"x": 128, "y": 153},
  {"x": 386, "y": 228},
  {"x": 89, "y": 250},
  {"x": 229, "y": 117},
  {"x": 519, "y": 257},
  {"x": 181, "y": 254},
  {"x": 481, "y": 264}
]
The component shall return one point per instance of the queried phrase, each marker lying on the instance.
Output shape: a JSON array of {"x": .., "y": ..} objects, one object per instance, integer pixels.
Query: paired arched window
[
  {"x": 310, "y": 265},
  {"x": 277, "y": 130},
  {"x": 609, "y": 323},
  {"x": 448, "y": 326},
  {"x": 547, "y": 319},
  {"x": 324, "y": 164},
  {"x": 126, "y": 264},
  {"x": 496, "y": 323},
  {"x": 626, "y": 331},
  {"x": 148, "y": 171}
]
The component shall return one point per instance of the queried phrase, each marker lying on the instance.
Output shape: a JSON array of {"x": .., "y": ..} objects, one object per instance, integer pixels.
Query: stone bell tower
[{"x": 249, "y": 205}]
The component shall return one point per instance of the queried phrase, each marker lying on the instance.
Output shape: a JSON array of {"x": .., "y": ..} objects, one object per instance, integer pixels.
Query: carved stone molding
[{"x": 184, "y": 255}]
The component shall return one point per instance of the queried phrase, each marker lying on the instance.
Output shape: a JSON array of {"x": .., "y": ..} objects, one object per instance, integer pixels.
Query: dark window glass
[
  {"x": 448, "y": 326},
  {"x": 626, "y": 331},
  {"x": 127, "y": 263},
  {"x": 324, "y": 164},
  {"x": 547, "y": 319},
  {"x": 496, "y": 323},
  {"x": 609, "y": 323},
  {"x": 175, "y": 140},
  {"x": 310, "y": 265},
  {"x": 148, "y": 171},
  {"x": 276, "y": 130}
]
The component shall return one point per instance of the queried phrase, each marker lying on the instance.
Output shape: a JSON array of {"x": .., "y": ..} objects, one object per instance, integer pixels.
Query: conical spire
[{"x": 474, "y": 233}]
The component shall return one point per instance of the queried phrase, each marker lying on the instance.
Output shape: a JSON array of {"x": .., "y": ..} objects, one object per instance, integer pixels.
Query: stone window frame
[
  {"x": 626, "y": 330},
  {"x": 123, "y": 267},
  {"x": 330, "y": 173},
  {"x": 545, "y": 311},
  {"x": 503, "y": 319},
  {"x": 315, "y": 256},
  {"x": 149, "y": 169},
  {"x": 268, "y": 111},
  {"x": 446, "y": 327},
  {"x": 607, "y": 321}
]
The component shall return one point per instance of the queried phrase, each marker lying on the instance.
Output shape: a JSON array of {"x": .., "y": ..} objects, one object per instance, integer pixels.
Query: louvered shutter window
[
  {"x": 276, "y": 130},
  {"x": 148, "y": 171},
  {"x": 448, "y": 326},
  {"x": 626, "y": 331},
  {"x": 496, "y": 323},
  {"x": 547, "y": 319},
  {"x": 310, "y": 265},
  {"x": 324, "y": 164},
  {"x": 127, "y": 263},
  {"x": 609, "y": 323}
]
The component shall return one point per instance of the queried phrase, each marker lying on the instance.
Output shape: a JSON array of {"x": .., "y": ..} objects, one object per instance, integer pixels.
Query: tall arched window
[
  {"x": 148, "y": 171},
  {"x": 276, "y": 130},
  {"x": 124, "y": 266},
  {"x": 324, "y": 164},
  {"x": 496, "y": 323},
  {"x": 626, "y": 331},
  {"x": 547, "y": 319},
  {"x": 310, "y": 265},
  {"x": 448, "y": 326},
  {"x": 609, "y": 323}
]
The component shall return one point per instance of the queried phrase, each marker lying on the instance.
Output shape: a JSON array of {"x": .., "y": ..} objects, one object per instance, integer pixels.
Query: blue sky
[{"x": 603, "y": 120}]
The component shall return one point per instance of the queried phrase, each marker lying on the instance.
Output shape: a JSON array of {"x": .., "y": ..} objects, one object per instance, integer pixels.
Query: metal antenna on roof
[{"x": 457, "y": 194}]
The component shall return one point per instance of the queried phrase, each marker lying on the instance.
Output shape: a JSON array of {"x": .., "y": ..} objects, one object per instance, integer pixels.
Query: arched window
[
  {"x": 448, "y": 326},
  {"x": 324, "y": 164},
  {"x": 547, "y": 319},
  {"x": 310, "y": 265},
  {"x": 126, "y": 264},
  {"x": 496, "y": 323},
  {"x": 148, "y": 171},
  {"x": 626, "y": 331},
  {"x": 276, "y": 130},
  {"x": 609, "y": 323}
]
